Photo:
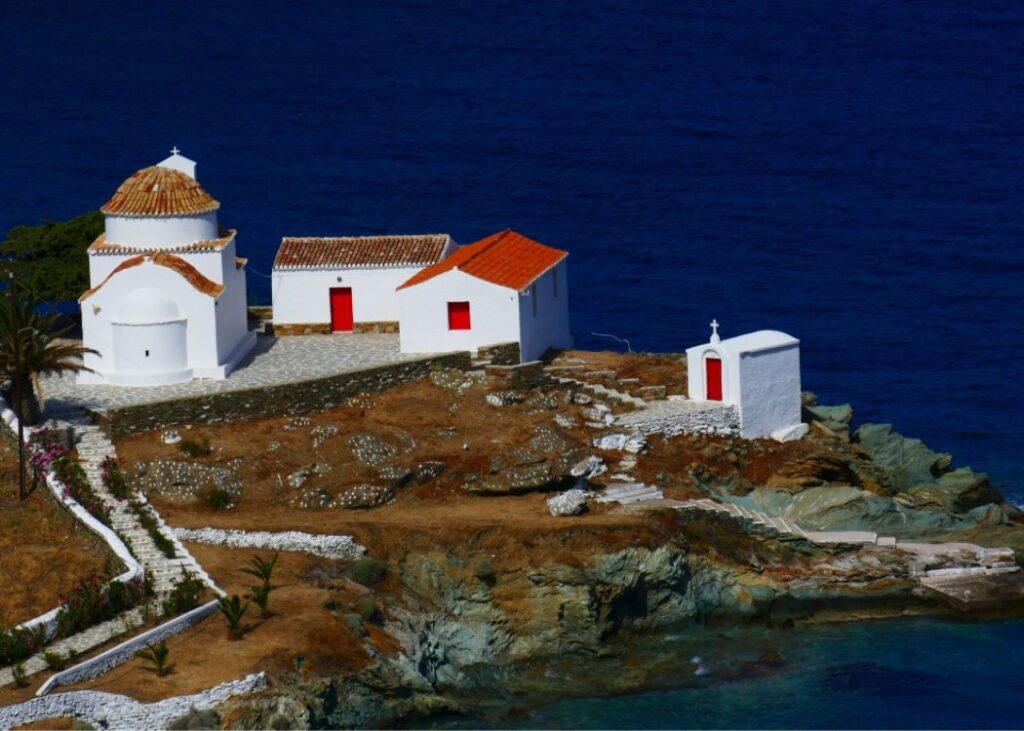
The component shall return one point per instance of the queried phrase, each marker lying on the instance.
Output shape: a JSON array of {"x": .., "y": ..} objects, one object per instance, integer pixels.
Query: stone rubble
[
  {"x": 327, "y": 546},
  {"x": 570, "y": 502},
  {"x": 112, "y": 711}
]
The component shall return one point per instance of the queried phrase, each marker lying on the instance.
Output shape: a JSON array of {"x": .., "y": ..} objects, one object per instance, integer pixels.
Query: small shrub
[
  {"x": 90, "y": 602},
  {"x": 369, "y": 571},
  {"x": 234, "y": 611},
  {"x": 260, "y": 595},
  {"x": 368, "y": 609},
  {"x": 184, "y": 596},
  {"x": 355, "y": 624},
  {"x": 148, "y": 521},
  {"x": 156, "y": 655},
  {"x": 483, "y": 570},
  {"x": 54, "y": 660},
  {"x": 20, "y": 679},
  {"x": 115, "y": 479},
  {"x": 18, "y": 644},
  {"x": 192, "y": 448},
  {"x": 218, "y": 498}
]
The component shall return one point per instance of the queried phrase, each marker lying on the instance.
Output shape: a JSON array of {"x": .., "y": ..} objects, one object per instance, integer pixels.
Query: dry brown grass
[
  {"x": 420, "y": 409},
  {"x": 667, "y": 370},
  {"x": 44, "y": 551}
]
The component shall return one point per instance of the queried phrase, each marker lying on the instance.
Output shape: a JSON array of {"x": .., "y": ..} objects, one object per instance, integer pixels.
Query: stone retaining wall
[
  {"x": 291, "y": 399},
  {"x": 502, "y": 353},
  {"x": 301, "y": 328},
  {"x": 109, "y": 710},
  {"x": 124, "y": 652},
  {"x": 375, "y": 327}
]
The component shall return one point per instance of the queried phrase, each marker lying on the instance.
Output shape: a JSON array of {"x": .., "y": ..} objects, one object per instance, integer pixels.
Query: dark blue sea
[{"x": 849, "y": 172}]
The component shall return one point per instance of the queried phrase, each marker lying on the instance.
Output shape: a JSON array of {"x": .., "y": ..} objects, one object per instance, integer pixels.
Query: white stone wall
[
  {"x": 328, "y": 546},
  {"x": 423, "y": 314},
  {"x": 109, "y": 710},
  {"x": 549, "y": 327},
  {"x": 303, "y": 296},
  {"x": 724, "y": 420},
  {"x": 769, "y": 391},
  {"x": 161, "y": 231}
]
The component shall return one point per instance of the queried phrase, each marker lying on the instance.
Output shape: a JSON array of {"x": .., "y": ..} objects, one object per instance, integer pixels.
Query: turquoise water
[{"x": 886, "y": 674}]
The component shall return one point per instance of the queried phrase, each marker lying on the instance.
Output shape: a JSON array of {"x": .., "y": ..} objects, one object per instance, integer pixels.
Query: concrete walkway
[{"x": 274, "y": 360}]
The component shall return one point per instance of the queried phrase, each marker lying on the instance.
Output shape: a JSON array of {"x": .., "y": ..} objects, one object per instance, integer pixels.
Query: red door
[
  {"x": 341, "y": 309},
  {"x": 713, "y": 378}
]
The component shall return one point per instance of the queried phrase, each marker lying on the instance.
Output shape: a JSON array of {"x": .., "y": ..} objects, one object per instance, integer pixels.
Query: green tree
[
  {"x": 52, "y": 259},
  {"x": 30, "y": 347}
]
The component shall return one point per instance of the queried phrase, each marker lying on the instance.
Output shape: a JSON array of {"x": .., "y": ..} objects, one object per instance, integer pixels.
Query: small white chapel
[{"x": 167, "y": 294}]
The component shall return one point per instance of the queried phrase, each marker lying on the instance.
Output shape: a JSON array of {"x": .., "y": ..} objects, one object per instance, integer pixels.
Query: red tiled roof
[
  {"x": 193, "y": 276},
  {"x": 315, "y": 252},
  {"x": 102, "y": 246},
  {"x": 157, "y": 191},
  {"x": 506, "y": 258}
]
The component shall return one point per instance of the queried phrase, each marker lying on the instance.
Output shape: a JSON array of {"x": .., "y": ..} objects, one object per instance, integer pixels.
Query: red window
[{"x": 458, "y": 316}]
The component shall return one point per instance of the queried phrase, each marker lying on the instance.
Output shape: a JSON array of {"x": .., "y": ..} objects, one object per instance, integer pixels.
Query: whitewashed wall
[
  {"x": 769, "y": 391},
  {"x": 161, "y": 231},
  {"x": 99, "y": 311},
  {"x": 549, "y": 327},
  {"x": 760, "y": 375},
  {"x": 303, "y": 296},
  {"x": 423, "y": 314}
]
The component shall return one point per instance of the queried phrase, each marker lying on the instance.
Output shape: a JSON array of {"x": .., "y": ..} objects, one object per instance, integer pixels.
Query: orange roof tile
[
  {"x": 506, "y": 258},
  {"x": 339, "y": 252},
  {"x": 102, "y": 246},
  {"x": 193, "y": 276},
  {"x": 157, "y": 191}
]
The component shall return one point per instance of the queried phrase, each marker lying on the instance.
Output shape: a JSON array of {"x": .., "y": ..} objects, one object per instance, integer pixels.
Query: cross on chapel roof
[
  {"x": 175, "y": 150},
  {"x": 714, "y": 331}
]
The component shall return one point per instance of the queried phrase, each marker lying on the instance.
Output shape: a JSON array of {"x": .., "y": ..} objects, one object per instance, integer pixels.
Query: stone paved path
[
  {"x": 94, "y": 447},
  {"x": 273, "y": 361}
]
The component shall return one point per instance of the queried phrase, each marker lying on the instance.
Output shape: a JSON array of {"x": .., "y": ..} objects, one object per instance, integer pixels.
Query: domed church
[{"x": 167, "y": 299}]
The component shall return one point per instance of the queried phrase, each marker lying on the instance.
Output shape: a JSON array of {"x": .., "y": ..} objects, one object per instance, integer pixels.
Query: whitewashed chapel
[{"x": 167, "y": 296}]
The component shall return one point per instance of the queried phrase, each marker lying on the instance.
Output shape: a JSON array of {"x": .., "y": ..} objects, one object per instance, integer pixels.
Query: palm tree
[{"x": 30, "y": 347}]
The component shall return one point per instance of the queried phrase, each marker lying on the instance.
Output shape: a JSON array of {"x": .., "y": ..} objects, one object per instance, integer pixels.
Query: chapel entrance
[
  {"x": 341, "y": 309},
  {"x": 713, "y": 378}
]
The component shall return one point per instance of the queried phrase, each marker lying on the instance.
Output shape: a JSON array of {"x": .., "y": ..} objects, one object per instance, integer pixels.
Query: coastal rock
[
  {"x": 914, "y": 469},
  {"x": 907, "y": 462}
]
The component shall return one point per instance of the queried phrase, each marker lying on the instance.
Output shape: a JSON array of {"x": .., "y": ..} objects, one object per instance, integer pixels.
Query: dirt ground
[
  {"x": 464, "y": 432},
  {"x": 43, "y": 550},
  {"x": 667, "y": 369}
]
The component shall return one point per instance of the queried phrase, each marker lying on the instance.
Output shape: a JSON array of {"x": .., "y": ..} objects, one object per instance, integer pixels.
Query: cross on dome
[{"x": 714, "y": 331}]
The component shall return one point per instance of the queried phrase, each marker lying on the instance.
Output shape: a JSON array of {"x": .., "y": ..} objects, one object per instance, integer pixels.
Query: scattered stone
[
  {"x": 369, "y": 449},
  {"x": 171, "y": 436},
  {"x": 565, "y": 421},
  {"x": 273, "y": 446},
  {"x": 184, "y": 482},
  {"x": 328, "y": 546},
  {"x": 541, "y": 401},
  {"x": 651, "y": 393},
  {"x": 395, "y": 476},
  {"x": 427, "y": 471},
  {"x": 588, "y": 468},
  {"x": 365, "y": 496},
  {"x": 322, "y": 433},
  {"x": 452, "y": 379},
  {"x": 505, "y": 398},
  {"x": 570, "y": 502}
]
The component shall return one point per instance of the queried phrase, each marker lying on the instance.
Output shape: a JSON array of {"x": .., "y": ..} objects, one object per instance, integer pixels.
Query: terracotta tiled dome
[{"x": 159, "y": 191}]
